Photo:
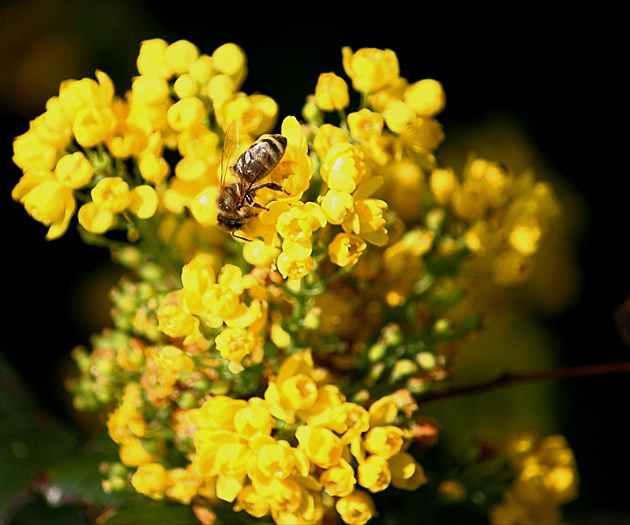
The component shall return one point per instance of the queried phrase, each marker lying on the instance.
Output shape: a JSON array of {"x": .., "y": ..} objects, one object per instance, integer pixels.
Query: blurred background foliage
[{"x": 528, "y": 90}]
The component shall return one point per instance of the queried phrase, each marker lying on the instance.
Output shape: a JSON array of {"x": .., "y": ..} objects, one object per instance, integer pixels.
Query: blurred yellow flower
[{"x": 331, "y": 92}]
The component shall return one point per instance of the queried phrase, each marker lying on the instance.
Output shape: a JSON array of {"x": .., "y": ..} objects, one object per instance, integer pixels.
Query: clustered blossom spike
[{"x": 279, "y": 370}]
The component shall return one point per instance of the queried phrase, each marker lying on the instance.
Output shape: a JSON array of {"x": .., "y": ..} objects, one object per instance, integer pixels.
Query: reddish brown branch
[{"x": 511, "y": 378}]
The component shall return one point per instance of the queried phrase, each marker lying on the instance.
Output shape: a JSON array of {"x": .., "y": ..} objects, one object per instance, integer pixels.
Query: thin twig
[{"x": 511, "y": 378}]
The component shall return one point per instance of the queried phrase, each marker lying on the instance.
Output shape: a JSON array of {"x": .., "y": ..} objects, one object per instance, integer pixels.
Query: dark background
[{"x": 559, "y": 76}]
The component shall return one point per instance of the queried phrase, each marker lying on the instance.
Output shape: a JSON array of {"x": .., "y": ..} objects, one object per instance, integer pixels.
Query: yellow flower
[
  {"x": 92, "y": 126},
  {"x": 406, "y": 472},
  {"x": 222, "y": 303},
  {"x": 349, "y": 420},
  {"x": 47, "y": 200},
  {"x": 175, "y": 321},
  {"x": 284, "y": 496},
  {"x": 197, "y": 276},
  {"x": 180, "y": 56},
  {"x": 256, "y": 114},
  {"x": 126, "y": 420},
  {"x": 30, "y": 152},
  {"x": 149, "y": 89},
  {"x": 207, "y": 443},
  {"x": 217, "y": 412},
  {"x": 235, "y": 344},
  {"x": 111, "y": 194},
  {"x": 53, "y": 126},
  {"x": 298, "y": 392},
  {"x": 337, "y": 205},
  {"x": 296, "y": 224},
  {"x": 201, "y": 68},
  {"x": 252, "y": 502},
  {"x": 203, "y": 205},
  {"x": 151, "y": 60},
  {"x": 219, "y": 89},
  {"x": 545, "y": 477},
  {"x": 186, "y": 114},
  {"x": 495, "y": 181},
  {"x": 182, "y": 484},
  {"x": 296, "y": 227},
  {"x": 186, "y": 86},
  {"x": 132, "y": 453},
  {"x": 339, "y": 479},
  {"x": 276, "y": 460},
  {"x": 384, "y": 441},
  {"x": 371, "y": 221},
  {"x": 151, "y": 480},
  {"x": 231, "y": 462},
  {"x": 343, "y": 167},
  {"x": 257, "y": 253},
  {"x": 254, "y": 419},
  {"x": 546, "y": 472},
  {"x": 144, "y": 201},
  {"x": 321, "y": 445},
  {"x": 443, "y": 183},
  {"x": 75, "y": 95},
  {"x": 230, "y": 60},
  {"x": 172, "y": 359},
  {"x": 294, "y": 268},
  {"x": 194, "y": 169},
  {"x": 365, "y": 125},
  {"x": 469, "y": 200},
  {"x": 153, "y": 167},
  {"x": 373, "y": 473},
  {"x": 399, "y": 116},
  {"x": 296, "y": 167},
  {"x": 326, "y": 136},
  {"x": 402, "y": 189},
  {"x": 370, "y": 69},
  {"x": 426, "y": 97},
  {"x": 331, "y": 92},
  {"x": 74, "y": 170},
  {"x": 383, "y": 411},
  {"x": 346, "y": 249},
  {"x": 95, "y": 219},
  {"x": 356, "y": 508},
  {"x": 525, "y": 234}
]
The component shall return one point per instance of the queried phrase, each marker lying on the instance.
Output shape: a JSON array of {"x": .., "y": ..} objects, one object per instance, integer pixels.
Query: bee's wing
[{"x": 230, "y": 142}]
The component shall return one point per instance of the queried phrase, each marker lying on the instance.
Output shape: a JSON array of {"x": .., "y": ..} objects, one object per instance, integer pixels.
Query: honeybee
[{"x": 235, "y": 199}]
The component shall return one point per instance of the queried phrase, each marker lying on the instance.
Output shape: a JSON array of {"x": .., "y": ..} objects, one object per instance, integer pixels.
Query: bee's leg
[
  {"x": 241, "y": 238},
  {"x": 271, "y": 185}
]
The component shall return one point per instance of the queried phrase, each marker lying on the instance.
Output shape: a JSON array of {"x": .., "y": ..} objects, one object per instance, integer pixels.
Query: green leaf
[
  {"x": 153, "y": 513},
  {"x": 77, "y": 479},
  {"x": 38, "y": 511},
  {"x": 30, "y": 440}
]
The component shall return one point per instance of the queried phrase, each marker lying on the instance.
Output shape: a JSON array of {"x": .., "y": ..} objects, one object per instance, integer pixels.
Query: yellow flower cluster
[
  {"x": 294, "y": 454},
  {"x": 505, "y": 216},
  {"x": 275, "y": 368},
  {"x": 214, "y": 301},
  {"x": 81, "y": 145},
  {"x": 545, "y": 478},
  {"x": 83, "y": 116}
]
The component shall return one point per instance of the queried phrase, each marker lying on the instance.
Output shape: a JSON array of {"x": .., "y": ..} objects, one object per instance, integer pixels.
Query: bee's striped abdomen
[{"x": 260, "y": 158}]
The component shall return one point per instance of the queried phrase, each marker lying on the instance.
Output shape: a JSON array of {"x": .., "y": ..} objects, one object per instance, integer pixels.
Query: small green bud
[
  {"x": 377, "y": 352},
  {"x": 403, "y": 368}
]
